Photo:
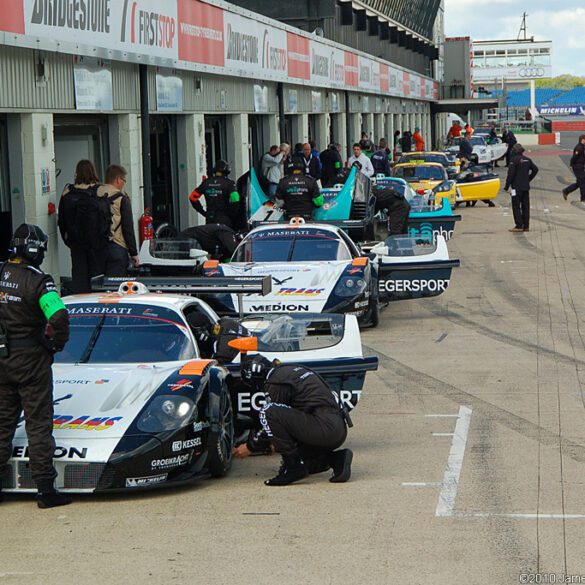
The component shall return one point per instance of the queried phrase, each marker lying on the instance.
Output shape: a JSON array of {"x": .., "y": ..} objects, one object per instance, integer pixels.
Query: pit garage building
[{"x": 167, "y": 88}]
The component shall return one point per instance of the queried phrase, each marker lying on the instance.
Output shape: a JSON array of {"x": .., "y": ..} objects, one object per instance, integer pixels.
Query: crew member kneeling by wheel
[
  {"x": 301, "y": 420},
  {"x": 28, "y": 303}
]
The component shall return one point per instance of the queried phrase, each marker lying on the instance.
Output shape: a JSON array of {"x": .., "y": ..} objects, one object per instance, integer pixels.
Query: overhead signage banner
[
  {"x": 169, "y": 93},
  {"x": 197, "y": 35},
  {"x": 562, "y": 110},
  {"x": 481, "y": 74}
]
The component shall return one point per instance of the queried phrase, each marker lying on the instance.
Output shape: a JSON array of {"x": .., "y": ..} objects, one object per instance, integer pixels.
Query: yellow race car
[
  {"x": 451, "y": 163},
  {"x": 477, "y": 184},
  {"x": 426, "y": 178}
]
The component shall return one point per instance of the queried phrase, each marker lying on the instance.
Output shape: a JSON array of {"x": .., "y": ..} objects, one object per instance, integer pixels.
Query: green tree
[{"x": 565, "y": 81}]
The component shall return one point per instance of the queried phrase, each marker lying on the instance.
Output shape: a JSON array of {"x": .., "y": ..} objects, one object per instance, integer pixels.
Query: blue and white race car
[
  {"x": 317, "y": 268},
  {"x": 139, "y": 403}
]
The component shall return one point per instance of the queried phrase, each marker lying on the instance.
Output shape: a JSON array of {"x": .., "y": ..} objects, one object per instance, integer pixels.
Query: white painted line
[
  {"x": 441, "y": 415},
  {"x": 448, "y": 494},
  {"x": 520, "y": 516},
  {"x": 443, "y": 434},
  {"x": 421, "y": 483}
]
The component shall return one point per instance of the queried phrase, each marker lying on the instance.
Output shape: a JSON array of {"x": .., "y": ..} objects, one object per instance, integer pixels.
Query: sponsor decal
[
  {"x": 65, "y": 422},
  {"x": 351, "y": 69},
  {"x": 146, "y": 481},
  {"x": 73, "y": 382},
  {"x": 361, "y": 304},
  {"x": 281, "y": 282},
  {"x": 185, "y": 383},
  {"x": 189, "y": 444},
  {"x": 12, "y": 20},
  {"x": 359, "y": 313},
  {"x": 306, "y": 292},
  {"x": 170, "y": 462},
  {"x": 436, "y": 285},
  {"x": 21, "y": 452},
  {"x": 279, "y": 308},
  {"x": 426, "y": 230},
  {"x": 99, "y": 310},
  {"x": 199, "y": 426},
  {"x": 299, "y": 65},
  {"x": 76, "y": 15},
  {"x": 248, "y": 401},
  {"x": 563, "y": 111},
  {"x": 103, "y": 381},
  {"x": 201, "y": 37},
  {"x": 5, "y": 298},
  {"x": 242, "y": 45},
  {"x": 146, "y": 25},
  {"x": 274, "y": 58}
]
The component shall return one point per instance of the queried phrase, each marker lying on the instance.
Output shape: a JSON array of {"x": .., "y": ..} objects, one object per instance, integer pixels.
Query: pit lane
[{"x": 479, "y": 400}]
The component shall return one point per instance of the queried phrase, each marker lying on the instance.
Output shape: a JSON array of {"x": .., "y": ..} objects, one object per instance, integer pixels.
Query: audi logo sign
[{"x": 531, "y": 72}]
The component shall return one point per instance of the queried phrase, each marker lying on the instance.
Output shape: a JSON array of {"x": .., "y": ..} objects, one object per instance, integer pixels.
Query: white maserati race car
[{"x": 140, "y": 404}]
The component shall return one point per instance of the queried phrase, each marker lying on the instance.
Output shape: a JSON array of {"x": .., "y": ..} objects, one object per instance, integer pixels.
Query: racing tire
[
  {"x": 166, "y": 231},
  {"x": 221, "y": 443}
]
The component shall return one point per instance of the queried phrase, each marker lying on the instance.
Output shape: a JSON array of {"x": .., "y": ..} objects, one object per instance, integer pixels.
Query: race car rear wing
[{"x": 189, "y": 285}]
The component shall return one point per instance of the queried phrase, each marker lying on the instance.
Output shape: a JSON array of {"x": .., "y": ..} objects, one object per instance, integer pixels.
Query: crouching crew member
[
  {"x": 216, "y": 239},
  {"x": 301, "y": 420},
  {"x": 221, "y": 197},
  {"x": 397, "y": 207},
  {"x": 299, "y": 192},
  {"x": 29, "y": 308}
]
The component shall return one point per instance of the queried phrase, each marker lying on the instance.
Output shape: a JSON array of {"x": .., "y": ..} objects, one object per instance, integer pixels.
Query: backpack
[{"x": 89, "y": 220}]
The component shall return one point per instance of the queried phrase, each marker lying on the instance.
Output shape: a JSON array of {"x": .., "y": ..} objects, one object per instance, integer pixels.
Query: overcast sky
[{"x": 563, "y": 22}]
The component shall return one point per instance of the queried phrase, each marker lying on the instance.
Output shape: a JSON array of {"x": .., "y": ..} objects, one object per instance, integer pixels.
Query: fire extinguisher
[{"x": 145, "y": 227}]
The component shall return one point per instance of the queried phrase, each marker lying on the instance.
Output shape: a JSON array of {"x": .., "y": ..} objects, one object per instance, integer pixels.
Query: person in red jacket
[{"x": 419, "y": 143}]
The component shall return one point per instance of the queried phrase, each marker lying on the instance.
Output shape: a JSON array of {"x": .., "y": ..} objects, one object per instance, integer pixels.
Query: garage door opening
[
  {"x": 163, "y": 152},
  {"x": 5, "y": 208}
]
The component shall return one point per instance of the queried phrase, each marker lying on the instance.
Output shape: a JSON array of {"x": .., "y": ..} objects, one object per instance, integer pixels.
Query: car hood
[
  {"x": 100, "y": 401},
  {"x": 296, "y": 286}
]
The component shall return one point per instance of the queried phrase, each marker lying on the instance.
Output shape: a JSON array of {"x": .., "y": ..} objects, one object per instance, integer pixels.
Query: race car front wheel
[{"x": 221, "y": 443}]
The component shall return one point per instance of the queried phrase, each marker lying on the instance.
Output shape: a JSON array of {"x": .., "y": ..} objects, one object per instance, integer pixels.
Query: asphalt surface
[{"x": 469, "y": 447}]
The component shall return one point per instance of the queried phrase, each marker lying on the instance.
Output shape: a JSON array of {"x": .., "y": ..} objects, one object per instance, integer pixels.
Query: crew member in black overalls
[
  {"x": 301, "y": 420},
  {"x": 221, "y": 197},
  {"x": 577, "y": 165},
  {"x": 213, "y": 338},
  {"x": 215, "y": 238},
  {"x": 299, "y": 192},
  {"x": 520, "y": 174},
  {"x": 396, "y": 206},
  {"x": 34, "y": 324}
]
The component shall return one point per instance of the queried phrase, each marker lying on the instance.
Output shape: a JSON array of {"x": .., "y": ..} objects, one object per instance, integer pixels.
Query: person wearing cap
[
  {"x": 520, "y": 174},
  {"x": 214, "y": 338},
  {"x": 301, "y": 420},
  {"x": 221, "y": 197},
  {"x": 34, "y": 325},
  {"x": 419, "y": 143},
  {"x": 332, "y": 163},
  {"x": 299, "y": 192}
]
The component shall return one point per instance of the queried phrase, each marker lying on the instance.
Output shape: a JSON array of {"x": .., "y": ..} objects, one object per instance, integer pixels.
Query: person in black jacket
[
  {"x": 406, "y": 141},
  {"x": 509, "y": 138},
  {"x": 213, "y": 338},
  {"x": 311, "y": 162},
  {"x": 465, "y": 149},
  {"x": 122, "y": 245},
  {"x": 380, "y": 160},
  {"x": 301, "y": 420},
  {"x": 396, "y": 206},
  {"x": 221, "y": 197},
  {"x": 331, "y": 163},
  {"x": 577, "y": 165},
  {"x": 520, "y": 173},
  {"x": 29, "y": 302},
  {"x": 215, "y": 238},
  {"x": 299, "y": 192}
]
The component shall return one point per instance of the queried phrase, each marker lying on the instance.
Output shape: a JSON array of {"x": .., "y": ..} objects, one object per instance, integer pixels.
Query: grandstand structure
[{"x": 548, "y": 101}]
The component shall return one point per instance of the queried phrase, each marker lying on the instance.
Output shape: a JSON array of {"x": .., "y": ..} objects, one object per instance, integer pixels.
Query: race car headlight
[
  {"x": 444, "y": 187},
  {"x": 166, "y": 413},
  {"x": 350, "y": 287}
]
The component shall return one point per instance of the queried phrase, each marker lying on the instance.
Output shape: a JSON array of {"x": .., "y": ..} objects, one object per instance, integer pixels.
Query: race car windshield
[
  {"x": 435, "y": 158},
  {"x": 125, "y": 333},
  {"x": 420, "y": 173},
  {"x": 290, "y": 247},
  {"x": 477, "y": 141}
]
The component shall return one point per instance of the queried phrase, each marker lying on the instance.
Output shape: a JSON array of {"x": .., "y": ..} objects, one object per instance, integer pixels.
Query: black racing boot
[
  {"x": 341, "y": 464},
  {"x": 49, "y": 497},
  {"x": 292, "y": 469}
]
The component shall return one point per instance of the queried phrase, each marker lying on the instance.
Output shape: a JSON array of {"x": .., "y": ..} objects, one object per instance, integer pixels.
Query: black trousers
[
  {"x": 295, "y": 432},
  {"x": 26, "y": 383},
  {"x": 219, "y": 217},
  {"x": 579, "y": 184},
  {"x": 116, "y": 260},
  {"x": 85, "y": 263},
  {"x": 521, "y": 209}
]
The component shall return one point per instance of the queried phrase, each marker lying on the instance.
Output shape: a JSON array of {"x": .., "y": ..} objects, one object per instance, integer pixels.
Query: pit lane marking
[{"x": 450, "y": 484}]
